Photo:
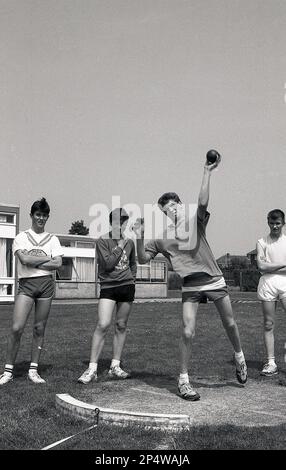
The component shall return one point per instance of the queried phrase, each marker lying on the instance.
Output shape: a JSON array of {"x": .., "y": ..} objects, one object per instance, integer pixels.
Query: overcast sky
[{"x": 124, "y": 97}]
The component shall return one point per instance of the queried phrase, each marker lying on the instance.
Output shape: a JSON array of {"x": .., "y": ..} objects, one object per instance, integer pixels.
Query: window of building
[
  {"x": 77, "y": 269},
  {"x": 7, "y": 218},
  {"x": 65, "y": 243},
  {"x": 6, "y": 265},
  {"x": 64, "y": 273},
  {"x": 154, "y": 272},
  {"x": 85, "y": 244}
]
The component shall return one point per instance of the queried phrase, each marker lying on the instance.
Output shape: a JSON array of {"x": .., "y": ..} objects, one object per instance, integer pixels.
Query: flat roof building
[{"x": 9, "y": 227}]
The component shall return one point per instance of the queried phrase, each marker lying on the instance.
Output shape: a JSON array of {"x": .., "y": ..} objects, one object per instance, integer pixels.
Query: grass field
[{"x": 29, "y": 419}]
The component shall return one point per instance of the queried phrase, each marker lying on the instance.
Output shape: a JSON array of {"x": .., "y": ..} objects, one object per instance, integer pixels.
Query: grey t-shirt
[
  {"x": 195, "y": 262},
  {"x": 116, "y": 267}
]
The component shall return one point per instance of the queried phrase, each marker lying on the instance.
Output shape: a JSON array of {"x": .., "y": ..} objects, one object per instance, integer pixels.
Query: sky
[{"x": 103, "y": 98}]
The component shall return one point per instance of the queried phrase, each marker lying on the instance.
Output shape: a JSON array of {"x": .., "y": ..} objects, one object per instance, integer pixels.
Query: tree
[{"x": 78, "y": 228}]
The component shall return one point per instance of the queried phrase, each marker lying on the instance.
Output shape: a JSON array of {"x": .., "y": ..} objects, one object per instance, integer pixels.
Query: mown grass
[{"x": 30, "y": 420}]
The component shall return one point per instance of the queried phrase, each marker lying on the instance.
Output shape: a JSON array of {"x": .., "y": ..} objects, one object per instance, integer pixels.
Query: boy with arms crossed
[
  {"x": 271, "y": 262},
  {"x": 38, "y": 254}
]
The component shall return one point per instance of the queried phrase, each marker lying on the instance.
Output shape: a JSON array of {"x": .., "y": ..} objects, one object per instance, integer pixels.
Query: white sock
[
  {"x": 8, "y": 369},
  {"x": 33, "y": 366},
  {"x": 183, "y": 378},
  {"x": 115, "y": 363},
  {"x": 93, "y": 366},
  {"x": 239, "y": 357},
  {"x": 271, "y": 361}
]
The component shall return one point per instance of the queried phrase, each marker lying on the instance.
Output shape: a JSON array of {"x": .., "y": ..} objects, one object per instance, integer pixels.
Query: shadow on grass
[
  {"x": 21, "y": 368},
  {"x": 256, "y": 365},
  {"x": 103, "y": 365},
  {"x": 168, "y": 382}
]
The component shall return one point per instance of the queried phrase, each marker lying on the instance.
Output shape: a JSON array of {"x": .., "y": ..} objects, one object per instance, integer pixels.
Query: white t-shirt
[
  {"x": 274, "y": 250},
  {"x": 37, "y": 244}
]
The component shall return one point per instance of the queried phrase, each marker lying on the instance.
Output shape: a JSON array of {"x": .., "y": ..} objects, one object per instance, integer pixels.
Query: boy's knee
[
  {"x": 230, "y": 323},
  {"x": 39, "y": 329},
  {"x": 103, "y": 328},
  {"x": 120, "y": 326},
  {"x": 268, "y": 325},
  {"x": 17, "y": 330}
]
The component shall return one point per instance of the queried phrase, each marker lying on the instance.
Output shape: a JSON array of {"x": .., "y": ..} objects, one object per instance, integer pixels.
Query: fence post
[{"x": 240, "y": 281}]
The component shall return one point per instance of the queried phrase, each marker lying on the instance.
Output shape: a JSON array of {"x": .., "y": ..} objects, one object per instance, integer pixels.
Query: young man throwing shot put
[{"x": 201, "y": 277}]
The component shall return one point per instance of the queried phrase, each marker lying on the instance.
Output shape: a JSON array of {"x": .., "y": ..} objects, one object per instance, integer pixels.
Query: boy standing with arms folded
[
  {"x": 38, "y": 254},
  {"x": 271, "y": 262}
]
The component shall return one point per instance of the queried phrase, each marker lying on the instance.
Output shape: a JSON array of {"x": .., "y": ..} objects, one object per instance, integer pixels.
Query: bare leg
[
  {"x": 268, "y": 309},
  {"x": 188, "y": 332},
  {"x": 22, "y": 310},
  {"x": 105, "y": 310},
  {"x": 122, "y": 315},
  {"x": 42, "y": 310},
  {"x": 224, "y": 308}
]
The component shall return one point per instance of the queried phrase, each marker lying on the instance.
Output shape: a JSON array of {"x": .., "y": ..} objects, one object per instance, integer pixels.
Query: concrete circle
[{"x": 153, "y": 402}]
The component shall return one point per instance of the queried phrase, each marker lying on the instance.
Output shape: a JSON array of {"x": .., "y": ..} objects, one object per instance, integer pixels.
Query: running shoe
[
  {"x": 241, "y": 371},
  {"x": 88, "y": 376},
  {"x": 187, "y": 392},
  {"x": 35, "y": 377},
  {"x": 269, "y": 369},
  {"x": 5, "y": 378},
  {"x": 118, "y": 373}
]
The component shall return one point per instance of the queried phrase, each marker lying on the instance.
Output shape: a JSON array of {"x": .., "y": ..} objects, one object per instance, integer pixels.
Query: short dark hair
[
  {"x": 276, "y": 214},
  {"x": 119, "y": 212},
  {"x": 40, "y": 205},
  {"x": 166, "y": 197}
]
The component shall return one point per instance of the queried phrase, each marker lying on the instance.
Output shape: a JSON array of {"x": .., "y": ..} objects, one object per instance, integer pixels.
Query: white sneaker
[
  {"x": 88, "y": 376},
  {"x": 118, "y": 373},
  {"x": 35, "y": 377},
  {"x": 269, "y": 369},
  {"x": 5, "y": 378}
]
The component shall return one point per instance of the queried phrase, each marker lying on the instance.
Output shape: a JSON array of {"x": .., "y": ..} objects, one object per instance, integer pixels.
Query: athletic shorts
[
  {"x": 203, "y": 296},
  {"x": 40, "y": 287},
  {"x": 119, "y": 294},
  {"x": 271, "y": 287}
]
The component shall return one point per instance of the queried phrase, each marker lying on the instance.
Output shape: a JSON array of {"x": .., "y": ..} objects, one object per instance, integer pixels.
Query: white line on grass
[
  {"x": 267, "y": 414},
  {"x": 96, "y": 415},
  {"x": 69, "y": 437},
  {"x": 149, "y": 391}
]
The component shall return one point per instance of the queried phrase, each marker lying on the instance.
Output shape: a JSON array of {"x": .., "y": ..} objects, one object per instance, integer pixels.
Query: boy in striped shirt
[{"x": 38, "y": 255}]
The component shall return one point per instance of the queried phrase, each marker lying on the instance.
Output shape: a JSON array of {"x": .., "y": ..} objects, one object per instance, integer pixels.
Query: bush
[{"x": 250, "y": 279}]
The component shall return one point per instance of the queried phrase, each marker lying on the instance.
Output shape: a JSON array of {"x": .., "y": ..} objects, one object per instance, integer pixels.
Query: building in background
[
  {"x": 252, "y": 256},
  {"x": 9, "y": 227},
  {"x": 78, "y": 275},
  {"x": 233, "y": 261}
]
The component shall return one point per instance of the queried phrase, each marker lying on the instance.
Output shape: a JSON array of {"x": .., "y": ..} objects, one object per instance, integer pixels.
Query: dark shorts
[
  {"x": 119, "y": 294},
  {"x": 203, "y": 296},
  {"x": 41, "y": 287}
]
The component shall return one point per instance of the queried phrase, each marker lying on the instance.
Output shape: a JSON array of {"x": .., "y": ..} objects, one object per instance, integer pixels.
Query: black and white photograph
[{"x": 142, "y": 229}]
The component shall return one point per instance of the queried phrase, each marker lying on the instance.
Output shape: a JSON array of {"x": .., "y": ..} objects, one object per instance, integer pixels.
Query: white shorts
[{"x": 272, "y": 287}]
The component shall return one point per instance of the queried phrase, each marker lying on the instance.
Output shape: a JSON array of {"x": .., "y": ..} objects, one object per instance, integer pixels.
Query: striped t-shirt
[{"x": 36, "y": 244}]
